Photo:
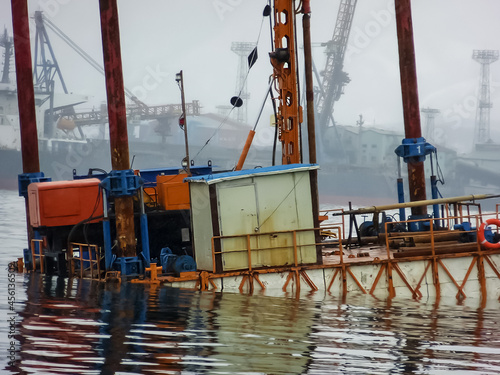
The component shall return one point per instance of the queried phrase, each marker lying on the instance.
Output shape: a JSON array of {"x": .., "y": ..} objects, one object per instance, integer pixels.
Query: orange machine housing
[
  {"x": 173, "y": 194},
  {"x": 59, "y": 203}
]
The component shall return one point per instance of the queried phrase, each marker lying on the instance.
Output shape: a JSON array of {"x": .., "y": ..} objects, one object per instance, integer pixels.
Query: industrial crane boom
[
  {"x": 334, "y": 78},
  {"x": 93, "y": 63}
]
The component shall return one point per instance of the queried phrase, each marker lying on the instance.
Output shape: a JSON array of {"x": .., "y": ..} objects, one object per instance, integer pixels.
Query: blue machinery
[
  {"x": 124, "y": 184},
  {"x": 415, "y": 150}
]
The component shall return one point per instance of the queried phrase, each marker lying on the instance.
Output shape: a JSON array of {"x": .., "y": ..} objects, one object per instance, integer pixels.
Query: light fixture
[{"x": 178, "y": 77}]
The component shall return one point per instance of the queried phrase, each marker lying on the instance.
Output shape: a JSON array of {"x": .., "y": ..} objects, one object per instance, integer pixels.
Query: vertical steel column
[
  {"x": 118, "y": 136},
  {"x": 25, "y": 97},
  {"x": 409, "y": 91},
  {"x": 25, "y": 91},
  {"x": 311, "y": 130}
]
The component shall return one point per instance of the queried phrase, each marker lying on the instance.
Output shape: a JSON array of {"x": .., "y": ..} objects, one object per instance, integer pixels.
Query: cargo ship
[{"x": 258, "y": 229}]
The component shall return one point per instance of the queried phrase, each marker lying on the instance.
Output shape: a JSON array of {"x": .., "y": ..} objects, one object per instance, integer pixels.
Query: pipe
[
  {"x": 409, "y": 91},
  {"x": 246, "y": 148},
  {"x": 25, "y": 92},
  {"x": 401, "y": 192},
  {"x": 25, "y": 97},
  {"x": 401, "y": 199},
  {"x": 144, "y": 230},
  {"x": 118, "y": 136},
  {"x": 311, "y": 126},
  {"x": 424, "y": 203},
  {"x": 106, "y": 230}
]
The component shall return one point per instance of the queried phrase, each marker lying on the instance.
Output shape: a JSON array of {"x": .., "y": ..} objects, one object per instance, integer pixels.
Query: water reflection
[{"x": 87, "y": 327}]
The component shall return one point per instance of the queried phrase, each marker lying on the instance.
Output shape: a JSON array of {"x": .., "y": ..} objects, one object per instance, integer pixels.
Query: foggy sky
[{"x": 159, "y": 38}]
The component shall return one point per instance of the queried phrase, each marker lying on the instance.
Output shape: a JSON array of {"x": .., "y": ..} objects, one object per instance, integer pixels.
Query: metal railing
[
  {"x": 40, "y": 254},
  {"x": 93, "y": 264},
  {"x": 431, "y": 235},
  {"x": 342, "y": 220},
  {"x": 217, "y": 241}
]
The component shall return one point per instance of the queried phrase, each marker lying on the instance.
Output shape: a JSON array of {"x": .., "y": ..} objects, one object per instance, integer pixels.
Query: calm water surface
[{"x": 85, "y": 327}]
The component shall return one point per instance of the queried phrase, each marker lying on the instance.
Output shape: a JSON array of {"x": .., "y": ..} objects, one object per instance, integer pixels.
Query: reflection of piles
[
  {"x": 170, "y": 309},
  {"x": 59, "y": 333}
]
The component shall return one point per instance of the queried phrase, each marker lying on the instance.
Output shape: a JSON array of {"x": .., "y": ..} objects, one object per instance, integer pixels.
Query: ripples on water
[{"x": 85, "y": 327}]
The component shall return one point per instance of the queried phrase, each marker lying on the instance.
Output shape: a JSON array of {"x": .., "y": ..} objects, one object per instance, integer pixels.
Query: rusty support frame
[
  {"x": 295, "y": 246},
  {"x": 390, "y": 266},
  {"x": 409, "y": 91},
  {"x": 26, "y": 91},
  {"x": 118, "y": 136},
  {"x": 92, "y": 262},
  {"x": 40, "y": 254}
]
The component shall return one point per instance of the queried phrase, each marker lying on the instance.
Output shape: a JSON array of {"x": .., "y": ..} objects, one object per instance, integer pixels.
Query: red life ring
[{"x": 482, "y": 239}]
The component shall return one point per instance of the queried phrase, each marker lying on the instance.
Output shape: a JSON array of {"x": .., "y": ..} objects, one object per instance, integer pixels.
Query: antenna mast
[
  {"x": 242, "y": 49},
  {"x": 485, "y": 58}
]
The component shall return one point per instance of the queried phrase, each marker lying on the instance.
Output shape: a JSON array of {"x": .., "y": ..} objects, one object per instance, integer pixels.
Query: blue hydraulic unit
[
  {"x": 24, "y": 179},
  {"x": 416, "y": 150},
  {"x": 121, "y": 183}
]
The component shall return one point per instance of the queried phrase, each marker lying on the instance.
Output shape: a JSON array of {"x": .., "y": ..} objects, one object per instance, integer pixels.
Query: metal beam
[
  {"x": 25, "y": 91},
  {"x": 118, "y": 136},
  {"x": 423, "y": 203},
  {"x": 409, "y": 91}
]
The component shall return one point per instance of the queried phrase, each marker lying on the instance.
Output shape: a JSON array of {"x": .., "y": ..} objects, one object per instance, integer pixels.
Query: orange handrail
[{"x": 249, "y": 248}]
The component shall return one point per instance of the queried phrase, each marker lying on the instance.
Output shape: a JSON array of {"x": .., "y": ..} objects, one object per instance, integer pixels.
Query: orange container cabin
[{"x": 60, "y": 203}]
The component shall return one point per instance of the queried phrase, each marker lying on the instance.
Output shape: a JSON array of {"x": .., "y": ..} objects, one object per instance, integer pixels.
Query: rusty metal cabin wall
[{"x": 201, "y": 223}]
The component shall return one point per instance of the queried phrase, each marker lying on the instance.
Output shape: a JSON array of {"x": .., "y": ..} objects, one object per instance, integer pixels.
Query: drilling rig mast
[{"x": 283, "y": 59}]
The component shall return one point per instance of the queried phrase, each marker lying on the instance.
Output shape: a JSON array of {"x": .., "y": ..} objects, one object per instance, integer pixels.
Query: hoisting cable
[
  {"x": 252, "y": 58},
  {"x": 439, "y": 172},
  {"x": 275, "y": 126},
  {"x": 432, "y": 173},
  {"x": 84, "y": 222},
  {"x": 251, "y": 134}
]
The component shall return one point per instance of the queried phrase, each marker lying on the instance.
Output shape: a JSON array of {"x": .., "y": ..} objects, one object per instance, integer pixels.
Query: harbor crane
[
  {"x": 334, "y": 79},
  {"x": 7, "y": 43}
]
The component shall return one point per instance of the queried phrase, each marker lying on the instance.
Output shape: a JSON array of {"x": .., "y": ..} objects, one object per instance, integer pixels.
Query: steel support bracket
[
  {"x": 129, "y": 266},
  {"x": 121, "y": 183},
  {"x": 414, "y": 150},
  {"x": 24, "y": 179}
]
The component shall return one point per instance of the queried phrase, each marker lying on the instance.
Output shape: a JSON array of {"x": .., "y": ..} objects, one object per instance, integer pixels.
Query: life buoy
[{"x": 480, "y": 234}]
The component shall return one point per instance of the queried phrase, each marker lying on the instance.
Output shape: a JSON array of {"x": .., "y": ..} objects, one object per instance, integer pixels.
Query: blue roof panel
[{"x": 250, "y": 172}]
